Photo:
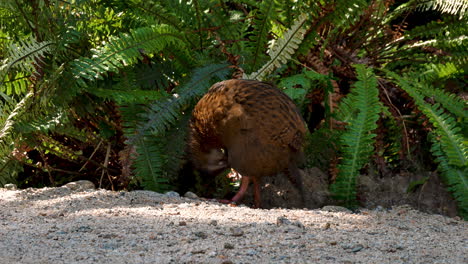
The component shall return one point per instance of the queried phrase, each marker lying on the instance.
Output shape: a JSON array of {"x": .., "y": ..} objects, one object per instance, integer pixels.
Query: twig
[
  {"x": 399, "y": 113},
  {"x": 90, "y": 157},
  {"x": 106, "y": 161}
]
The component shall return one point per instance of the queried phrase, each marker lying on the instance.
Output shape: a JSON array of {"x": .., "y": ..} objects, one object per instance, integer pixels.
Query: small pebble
[
  {"x": 80, "y": 185},
  {"x": 10, "y": 186},
  {"x": 190, "y": 195},
  {"x": 335, "y": 208},
  {"x": 110, "y": 246},
  {"x": 213, "y": 222},
  {"x": 357, "y": 248},
  {"x": 182, "y": 223},
  {"x": 236, "y": 231},
  {"x": 282, "y": 220},
  {"x": 172, "y": 194},
  {"x": 83, "y": 229},
  {"x": 201, "y": 234},
  {"x": 326, "y": 226},
  {"x": 228, "y": 245},
  {"x": 252, "y": 252},
  {"x": 298, "y": 224}
]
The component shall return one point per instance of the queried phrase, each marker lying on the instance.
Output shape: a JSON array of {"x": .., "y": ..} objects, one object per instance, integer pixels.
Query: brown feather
[{"x": 257, "y": 125}]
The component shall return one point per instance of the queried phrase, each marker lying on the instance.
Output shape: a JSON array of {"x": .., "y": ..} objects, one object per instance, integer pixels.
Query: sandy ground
[{"x": 73, "y": 225}]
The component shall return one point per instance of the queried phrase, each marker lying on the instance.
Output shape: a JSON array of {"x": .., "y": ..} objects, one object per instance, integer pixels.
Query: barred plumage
[{"x": 250, "y": 126}]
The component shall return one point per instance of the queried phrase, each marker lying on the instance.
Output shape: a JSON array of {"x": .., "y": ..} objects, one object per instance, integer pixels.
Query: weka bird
[{"x": 250, "y": 126}]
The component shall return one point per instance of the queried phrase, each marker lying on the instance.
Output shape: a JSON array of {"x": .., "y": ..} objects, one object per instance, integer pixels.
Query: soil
[
  {"x": 79, "y": 224},
  {"x": 430, "y": 195}
]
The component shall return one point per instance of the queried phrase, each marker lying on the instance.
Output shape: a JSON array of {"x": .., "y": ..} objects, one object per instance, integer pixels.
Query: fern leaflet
[
  {"x": 125, "y": 50},
  {"x": 362, "y": 112},
  {"x": 282, "y": 50},
  {"x": 445, "y": 125}
]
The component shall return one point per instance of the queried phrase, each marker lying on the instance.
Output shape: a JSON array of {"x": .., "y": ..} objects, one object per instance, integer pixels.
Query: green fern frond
[
  {"x": 149, "y": 165},
  {"x": 41, "y": 122},
  {"x": 125, "y": 50},
  {"x": 445, "y": 125},
  {"x": 283, "y": 49},
  {"x": 149, "y": 129},
  {"x": 345, "y": 13},
  {"x": 442, "y": 71},
  {"x": 163, "y": 113},
  {"x": 449, "y": 27},
  {"x": 455, "y": 178},
  {"x": 458, "y": 43},
  {"x": 149, "y": 155},
  {"x": 453, "y": 103},
  {"x": 174, "y": 146},
  {"x": 25, "y": 55},
  {"x": 262, "y": 25},
  {"x": 10, "y": 121},
  {"x": 15, "y": 85},
  {"x": 9, "y": 166},
  {"x": 453, "y": 7},
  {"x": 6, "y": 145},
  {"x": 362, "y": 112},
  {"x": 128, "y": 97}
]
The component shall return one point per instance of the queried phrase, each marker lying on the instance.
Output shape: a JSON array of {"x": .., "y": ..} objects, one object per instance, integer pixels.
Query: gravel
[{"x": 76, "y": 225}]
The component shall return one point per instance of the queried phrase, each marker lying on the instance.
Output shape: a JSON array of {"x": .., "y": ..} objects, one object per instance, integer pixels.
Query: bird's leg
[
  {"x": 257, "y": 199},
  {"x": 245, "y": 181},
  {"x": 242, "y": 190}
]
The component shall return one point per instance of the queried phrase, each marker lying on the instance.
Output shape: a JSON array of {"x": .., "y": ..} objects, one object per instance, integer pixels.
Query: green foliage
[
  {"x": 415, "y": 184},
  {"x": 163, "y": 113},
  {"x": 262, "y": 25},
  {"x": 24, "y": 54},
  {"x": 124, "y": 50},
  {"x": 453, "y": 7},
  {"x": 77, "y": 76},
  {"x": 445, "y": 125},
  {"x": 449, "y": 146},
  {"x": 283, "y": 49},
  {"x": 299, "y": 85},
  {"x": 455, "y": 177},
  {"x": 361, "y": 111},
  {"x": 148, "y": 165}
]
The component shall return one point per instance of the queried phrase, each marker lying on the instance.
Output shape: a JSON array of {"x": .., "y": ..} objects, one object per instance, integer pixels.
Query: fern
[
  {"x": 164, "y": 113},
  {"x": 442, "y": 71},
  {"x": 449, "y": 146},
  {"x": 27, "y": 54},
  {"x": 17, "y": 84},
  {"x": 9, "y": 122},
  {"x": 149, "y": 130},
  {"x": 453, "y": 7},
  {"x": 283, "y": 49},
  {"x": 451, "y": 102},
  {"x": 8, "y": 170},
  {"x": 261, "y": 29},
  {"x": 124, "y": 50},
  {"x": 455, "y": 178},
  {"x": 149, "y": 164},
  {"x": 446, "y": 128},
  {"x": 362, "y": 112}
]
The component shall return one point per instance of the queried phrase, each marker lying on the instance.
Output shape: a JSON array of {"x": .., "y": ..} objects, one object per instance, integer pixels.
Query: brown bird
[{"x": 250, "y": 126}]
